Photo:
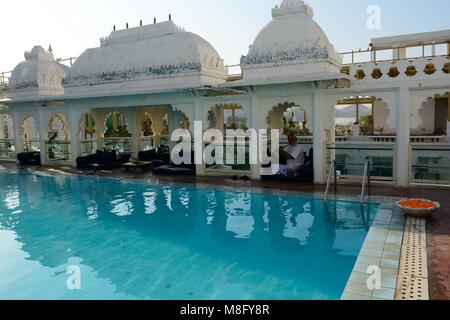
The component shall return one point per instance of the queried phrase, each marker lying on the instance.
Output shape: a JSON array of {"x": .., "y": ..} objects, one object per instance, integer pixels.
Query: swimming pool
[{"x": 144, "y": 241}]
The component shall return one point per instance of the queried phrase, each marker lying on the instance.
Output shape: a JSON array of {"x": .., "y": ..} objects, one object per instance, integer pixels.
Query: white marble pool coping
[{"x": 384, "y": 248}]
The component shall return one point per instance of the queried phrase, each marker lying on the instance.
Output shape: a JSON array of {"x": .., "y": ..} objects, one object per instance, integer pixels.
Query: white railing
[
  {"x": 122, "y": 145},
  {"x": 7, "y": 149},
  {"x": 4, "y": 78},
  {"x": 392, "y": 139},
  {"x": 350, "y": 158},
  {"x": 88, "y": 147},
  {"x": 430, "y": 163}
]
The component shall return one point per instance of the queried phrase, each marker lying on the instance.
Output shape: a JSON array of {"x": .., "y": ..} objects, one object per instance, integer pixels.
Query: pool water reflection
[{"x": 141, "y": 241}]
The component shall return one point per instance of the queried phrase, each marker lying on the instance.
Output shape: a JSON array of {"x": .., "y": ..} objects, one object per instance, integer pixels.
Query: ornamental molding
[
  {"x": 282, "y": 56},
  {"x": 290, "y": 7},
  {"x": 146, "y": 73},
  {"x": 208, "y": 67}
]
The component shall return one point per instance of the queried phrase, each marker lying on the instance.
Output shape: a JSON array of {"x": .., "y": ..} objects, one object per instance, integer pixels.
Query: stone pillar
[
  {"x": 399, "y": 53},
  {"x": 131, "y": 122},
  {"x": 198, "y": 136},
  {"x": 448, "y": 118},
  {"x": 75, "y": 137},
  {"x": 255, "y": 169},
  {"x": 43, "y": 134},
  {"x": 319, "y": 140},
  {"x": 402, "y": 161},
  {"x": 18, "y": 141}
]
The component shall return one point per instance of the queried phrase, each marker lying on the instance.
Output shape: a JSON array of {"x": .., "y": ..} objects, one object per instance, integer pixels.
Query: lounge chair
[
  {"x": 159, "y": 157},
  {"x": 103, "y": 160},
  {"x": 183, "y": 169},
  {"x": 29, "y": 158}
]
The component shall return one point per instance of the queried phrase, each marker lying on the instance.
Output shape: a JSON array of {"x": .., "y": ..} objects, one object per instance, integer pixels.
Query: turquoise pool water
[{"x": 142, "y": 241}]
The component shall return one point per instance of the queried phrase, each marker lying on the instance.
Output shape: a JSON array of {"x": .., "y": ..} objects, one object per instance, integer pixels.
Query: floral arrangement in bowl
[{"x": 418, "y": 207}]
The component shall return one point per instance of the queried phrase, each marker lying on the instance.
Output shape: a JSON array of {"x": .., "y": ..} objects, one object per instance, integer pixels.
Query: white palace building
[{"x": 144, "y": 82}]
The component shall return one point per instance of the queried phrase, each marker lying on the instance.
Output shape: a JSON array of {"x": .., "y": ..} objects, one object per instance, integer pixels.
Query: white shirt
[{"x": 298, "y": 154}]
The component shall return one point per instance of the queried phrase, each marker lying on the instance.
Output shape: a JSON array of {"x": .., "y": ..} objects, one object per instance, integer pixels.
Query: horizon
[{"x": 41, "y": 23}]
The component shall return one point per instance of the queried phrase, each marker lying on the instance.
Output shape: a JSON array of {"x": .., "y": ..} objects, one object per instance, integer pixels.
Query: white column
[
  {"x": 448, "y": 118},
  {"x": 136, "y": 133},
  {"x": 403, "y": 138},
  {"x": 43, "y": 134},
  {"x": 399, "y": 53},
  {"x": 131, "y": 121},
  {"x": 319, "y": 140},
  {"x": 75, "y": 127},
  {"x": 198, "y": 116},
  {"x": 18, "y": 143},
  {"x": 255, "y": 169}
]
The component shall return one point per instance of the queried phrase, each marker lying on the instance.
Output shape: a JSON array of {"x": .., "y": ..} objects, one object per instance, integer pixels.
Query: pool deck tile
[{"x": 382, "y": 248}]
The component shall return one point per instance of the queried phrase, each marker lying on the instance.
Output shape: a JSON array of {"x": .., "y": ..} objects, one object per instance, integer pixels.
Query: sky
[{"x": 229, "y": 25}]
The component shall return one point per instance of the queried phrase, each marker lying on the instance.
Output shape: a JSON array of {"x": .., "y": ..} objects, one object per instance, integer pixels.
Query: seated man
[{"x": 294, "y": 155}]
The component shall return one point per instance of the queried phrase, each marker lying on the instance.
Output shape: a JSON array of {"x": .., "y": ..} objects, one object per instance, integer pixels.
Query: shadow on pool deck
[{"x": 438, "y": 227}]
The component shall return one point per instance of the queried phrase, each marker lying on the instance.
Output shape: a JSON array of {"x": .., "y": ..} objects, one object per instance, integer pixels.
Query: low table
[{"x": 143, "y": 165}]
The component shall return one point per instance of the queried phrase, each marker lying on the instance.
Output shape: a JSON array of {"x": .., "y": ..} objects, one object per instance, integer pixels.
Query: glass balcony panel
[
  {"x": 430, "y": 164},
  {"x": 88, "y": 147},
  {"x": 58, "y": 151},
  {"x": 7, "y": 149},
  {"x": 351, "y": 157}
]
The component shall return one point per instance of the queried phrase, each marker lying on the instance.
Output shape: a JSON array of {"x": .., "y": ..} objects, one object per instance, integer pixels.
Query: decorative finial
[
  {"x": 50, "y": 48},
  {"x": 154, "y": 20},
  {"x": 114, "y": 28},
  {"x": 141, "y": 22},
  {"x": 170, "y": 17},
  {"x": 127, "y": 25}
]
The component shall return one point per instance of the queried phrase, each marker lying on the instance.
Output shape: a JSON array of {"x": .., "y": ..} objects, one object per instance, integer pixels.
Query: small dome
[
  {"x": 38, "y": 71},
  {"x": 161, "y": 50},
  {"x": 292, "y": 37}
]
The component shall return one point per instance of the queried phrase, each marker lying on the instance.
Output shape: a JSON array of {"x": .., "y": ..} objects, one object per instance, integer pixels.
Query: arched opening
[
  {"x": 87, "y": 134},
  {"x": 228, "y": 117},
  {"x": 30, "y": 134},
  {"x": 362, "y": 118},
  {"x": 58, "y": 138},
  {"x": 116, "y": 135},
  {"x": 430, "y": 137},
  {"x": 290, "y": 117},
  {"x": 7, "y": 147},
  {"x": 156, "y": 124},
  {"x": 147, "y": 141},
  {"x": 364, "y": 129},
  {"x": 233, "y": 121},
  {"x": 432, "y": 117}
]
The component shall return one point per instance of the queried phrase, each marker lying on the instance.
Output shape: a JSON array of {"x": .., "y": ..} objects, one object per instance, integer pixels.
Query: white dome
[
  {"x": 38, "y": 71},
  {"x": 160, "y": 50},
  {"x": 292, "y": 37}
]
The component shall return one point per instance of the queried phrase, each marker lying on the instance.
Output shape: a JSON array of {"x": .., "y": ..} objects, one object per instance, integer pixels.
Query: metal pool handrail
[
  {"x": 330, "y": 175},
  {"x": 366, "y": 178}
]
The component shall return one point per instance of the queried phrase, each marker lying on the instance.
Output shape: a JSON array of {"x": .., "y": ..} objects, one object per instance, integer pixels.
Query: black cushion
[
  {"x": 29, "y": 158},
  {"x": 168, "y": 169},
  {"x": 161, "y": 155},
  {"x": 106, "y": 156}
]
